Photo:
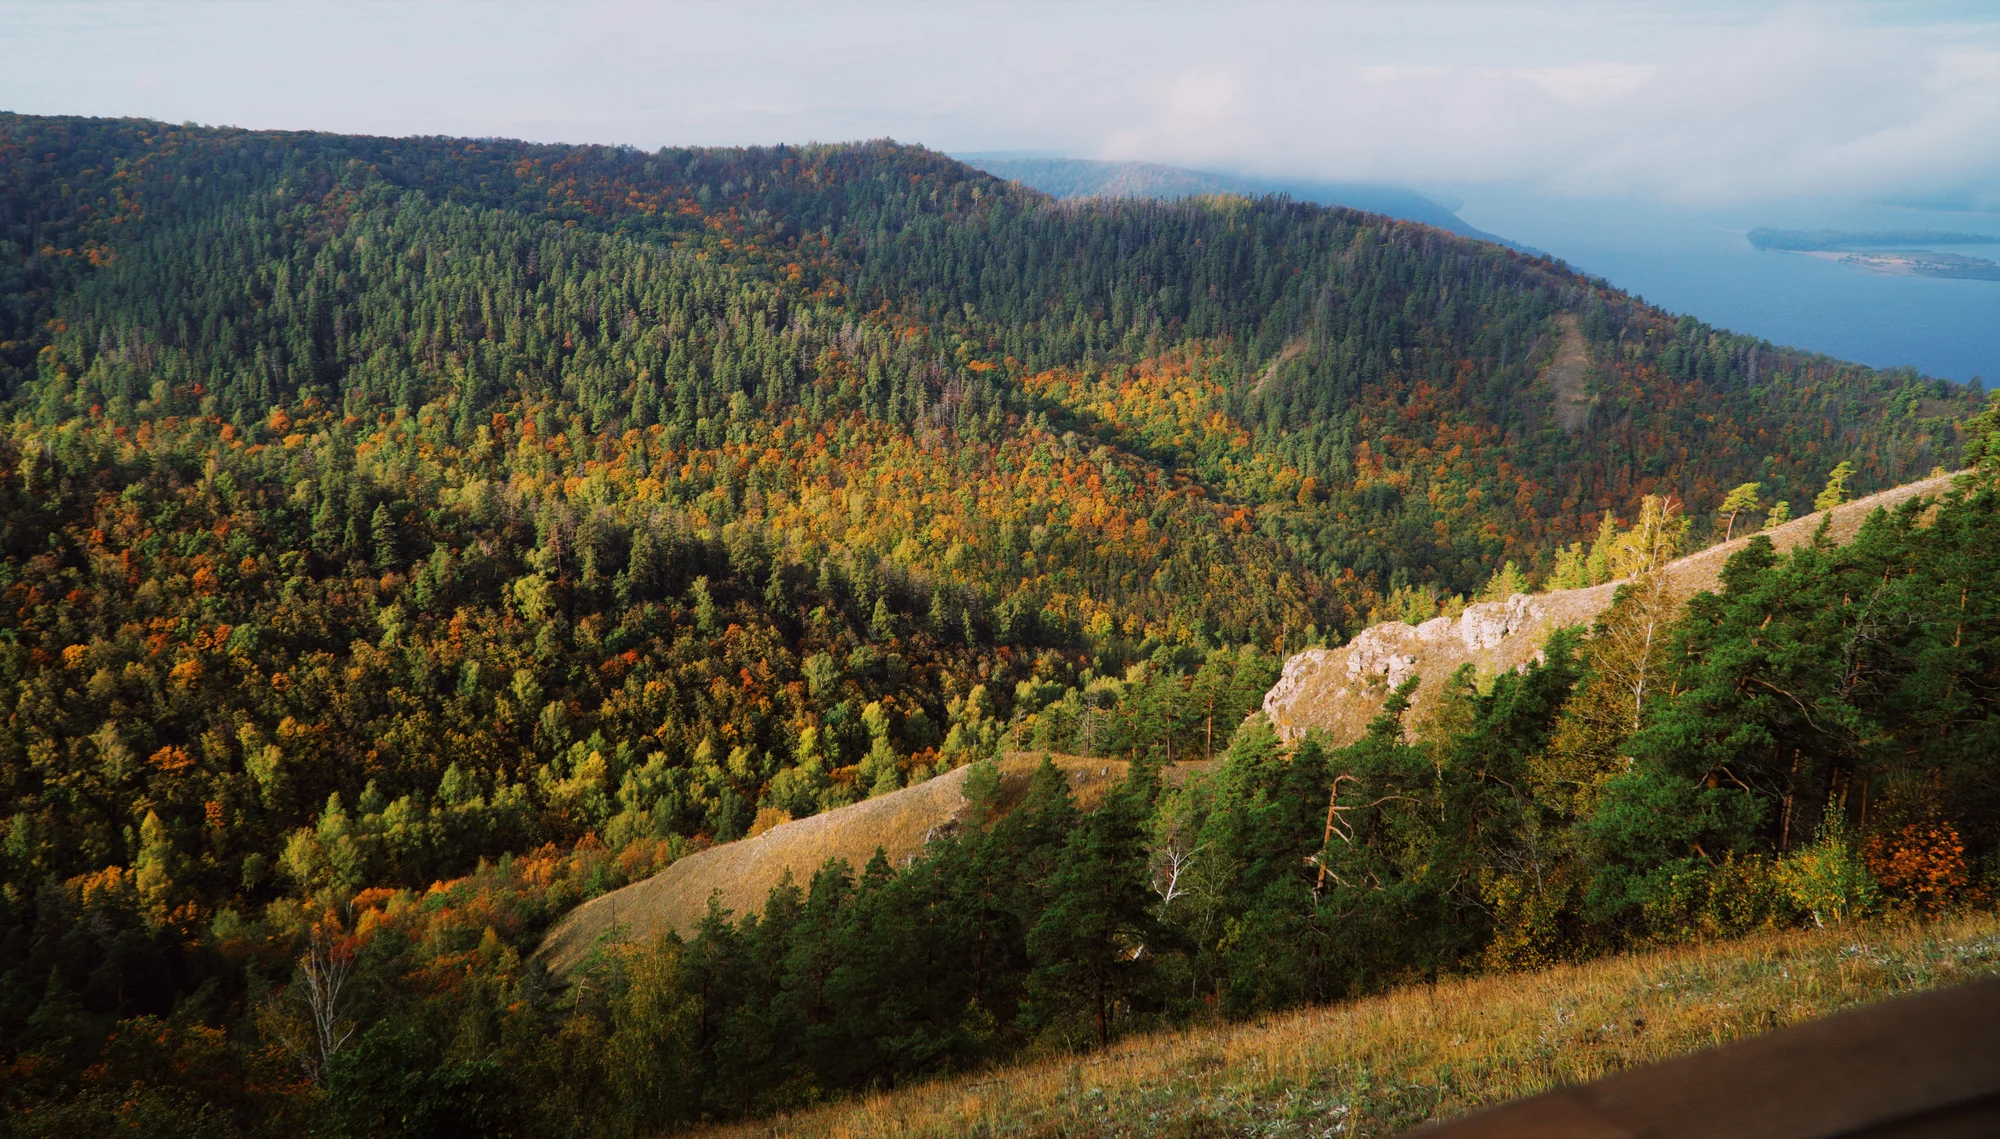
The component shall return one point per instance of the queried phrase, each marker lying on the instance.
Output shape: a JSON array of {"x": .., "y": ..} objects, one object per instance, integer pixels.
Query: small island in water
[{"x": 1877, "y": 250}]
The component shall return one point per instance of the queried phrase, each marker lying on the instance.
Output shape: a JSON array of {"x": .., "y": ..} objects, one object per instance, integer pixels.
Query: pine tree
[
  {"x": 1737, "y": 501},
  {"x": 777, "y": 591},
  {"x": 1982, "y": 437},
  {"x": 1836, "y": 491},
  {"x": 1097, "y": 940},
  {"x": 704, "y": 607},
  {"x": 1506, "y": 581},
  {"x": 384, "y": 531},
  {"x": 1031, "y": 835},
  {"x": 1625, "y": 660},
  {"x": 879, "y": 768}
]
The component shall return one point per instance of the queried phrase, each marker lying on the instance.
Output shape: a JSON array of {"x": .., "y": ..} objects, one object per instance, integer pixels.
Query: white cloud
[
  {"x": 1694, "y": 102},
  {"x": 1589, "y": 82},
  {"x": 1582, "y": 83}
]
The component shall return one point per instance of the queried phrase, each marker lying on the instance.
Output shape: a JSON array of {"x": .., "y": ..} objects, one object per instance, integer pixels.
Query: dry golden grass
[
  {"x": 1378, "y": 1066},
  {"x": 743, "y": 872}
]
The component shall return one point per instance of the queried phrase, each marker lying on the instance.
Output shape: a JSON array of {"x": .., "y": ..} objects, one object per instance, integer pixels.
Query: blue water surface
[{"x": 1699, "y": 261}]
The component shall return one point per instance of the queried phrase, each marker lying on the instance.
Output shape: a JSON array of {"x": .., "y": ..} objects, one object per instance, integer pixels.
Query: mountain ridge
[
  {"x": 1333, "y": 692},
  {"x": 1339, "y": 691},
  {"x": 737, "y": 876}
]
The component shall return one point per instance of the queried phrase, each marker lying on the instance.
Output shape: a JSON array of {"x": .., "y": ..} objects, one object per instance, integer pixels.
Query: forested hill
[{"x": 371, "y": 507}]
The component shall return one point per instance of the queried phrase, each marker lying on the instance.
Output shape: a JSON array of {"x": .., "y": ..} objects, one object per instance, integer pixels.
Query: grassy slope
[
  {"x": 743, "y": 872},
  {"x": 1378, "y": 1066}
]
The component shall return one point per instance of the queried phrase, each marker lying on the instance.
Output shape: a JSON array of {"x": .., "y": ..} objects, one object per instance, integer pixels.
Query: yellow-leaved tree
[
  {"x": 1623, "y": 659},
  {"x": 1836, "y": 491}
]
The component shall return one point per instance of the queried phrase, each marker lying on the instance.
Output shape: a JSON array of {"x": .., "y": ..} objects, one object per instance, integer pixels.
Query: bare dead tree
[
  {"x": 1336, "y": 824},
  {"x": 316, "y": 1027},
  {"x": 1172, "y": 854},
  {"x": 1170, "y": 862}
]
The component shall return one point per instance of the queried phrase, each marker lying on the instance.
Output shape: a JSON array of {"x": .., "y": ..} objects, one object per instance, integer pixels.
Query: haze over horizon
[{"x": 1689, "y": 103}]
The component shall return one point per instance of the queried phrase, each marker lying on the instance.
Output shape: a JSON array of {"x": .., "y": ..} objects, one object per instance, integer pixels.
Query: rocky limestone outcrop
[
  {"x": 1392, "y": 650},
  {"x": 1338, "y": 691}
]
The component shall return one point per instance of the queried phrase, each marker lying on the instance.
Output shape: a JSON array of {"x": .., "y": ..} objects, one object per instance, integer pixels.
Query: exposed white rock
[
  {"x": 1298, "y": 667},
  {"x": 1391, "y": 650}
]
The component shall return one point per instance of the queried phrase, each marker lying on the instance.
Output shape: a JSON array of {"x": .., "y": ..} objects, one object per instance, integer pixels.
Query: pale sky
[{"x": 1686, "y": 103}]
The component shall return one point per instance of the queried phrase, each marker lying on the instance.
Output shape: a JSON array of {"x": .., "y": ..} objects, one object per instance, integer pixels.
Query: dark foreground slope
[
  {"x": 1378, "y": 1067},
  {"x": 380, "y": 513}
]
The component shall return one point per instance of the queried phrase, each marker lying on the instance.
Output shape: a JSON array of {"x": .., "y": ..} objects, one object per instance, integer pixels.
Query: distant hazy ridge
[{"x": 1086, "y": 178}]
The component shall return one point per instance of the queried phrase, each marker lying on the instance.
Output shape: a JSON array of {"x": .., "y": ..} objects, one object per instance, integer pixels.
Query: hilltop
[{"x": 1087, "y": 178}]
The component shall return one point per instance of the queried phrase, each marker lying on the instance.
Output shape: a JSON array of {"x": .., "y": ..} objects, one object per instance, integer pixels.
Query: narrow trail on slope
[{"x": 1568, "y": 374}]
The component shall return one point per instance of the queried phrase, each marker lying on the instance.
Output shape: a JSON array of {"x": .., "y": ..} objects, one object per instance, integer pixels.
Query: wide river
[{"x": 1699, "y": 262}]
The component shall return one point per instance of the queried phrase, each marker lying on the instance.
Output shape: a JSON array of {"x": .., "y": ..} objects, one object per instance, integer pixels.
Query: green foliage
[
  {"x": 1737, "y": 501},
  {"x": 1578, "y": 566},
  {"x": 1096, "y": 940},
  {"x": 1506, "y": 581},
  {"x": 1982, "y": 437}
]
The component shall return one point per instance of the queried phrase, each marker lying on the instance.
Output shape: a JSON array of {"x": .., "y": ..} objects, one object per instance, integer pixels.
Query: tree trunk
[{"x": 1103, "y": 1023}]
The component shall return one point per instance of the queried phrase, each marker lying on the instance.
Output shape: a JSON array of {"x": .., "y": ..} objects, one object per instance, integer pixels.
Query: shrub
[
  {"x": 1828, "y": 881},
  {"x": 1694, "y": 900},
  {"x": 1922, "y": 865}
]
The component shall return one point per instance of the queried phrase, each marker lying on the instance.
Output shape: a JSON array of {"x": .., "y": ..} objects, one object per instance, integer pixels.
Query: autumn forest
[{"x": 405, "y": 540}]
